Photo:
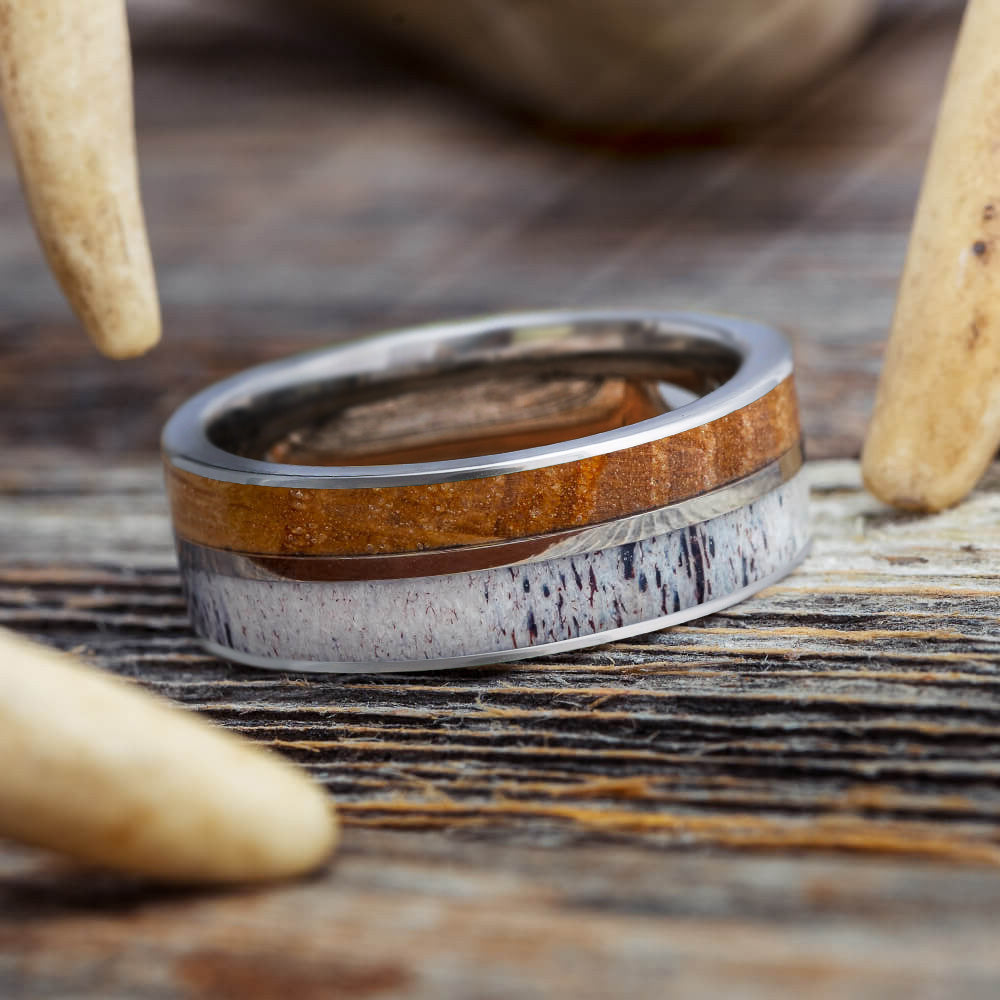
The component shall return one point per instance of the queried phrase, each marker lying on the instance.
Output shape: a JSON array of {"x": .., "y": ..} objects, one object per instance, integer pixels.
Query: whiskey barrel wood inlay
[{"x": 268, "y": 520}]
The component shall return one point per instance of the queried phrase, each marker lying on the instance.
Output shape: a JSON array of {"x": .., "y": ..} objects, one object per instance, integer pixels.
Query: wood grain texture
[
  {"x": 429, "y": 916},
  {"x": 799, "y": 797},
  {"x": 602, "y": 803},
  {"x": 272, "y": 520},
  {"x": 851, "y": 707}
]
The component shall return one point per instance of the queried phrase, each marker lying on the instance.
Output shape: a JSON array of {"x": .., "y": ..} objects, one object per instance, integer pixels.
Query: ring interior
[{"x": 515, "y": 387}]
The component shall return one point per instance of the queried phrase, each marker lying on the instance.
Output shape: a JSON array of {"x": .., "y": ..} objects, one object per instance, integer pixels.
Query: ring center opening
[{"x": 530, "y": 388}]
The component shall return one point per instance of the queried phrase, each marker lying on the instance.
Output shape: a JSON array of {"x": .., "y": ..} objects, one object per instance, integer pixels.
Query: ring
[{"x": 488, "y": 490}]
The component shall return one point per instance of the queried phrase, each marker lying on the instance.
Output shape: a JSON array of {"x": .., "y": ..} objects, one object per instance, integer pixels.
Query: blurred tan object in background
[
  {"x": 66, "y": 84},
  {"x": 603, "y": 67},
  {"x": 936, "y": 425},
  {"x": 608, "y": 66}
]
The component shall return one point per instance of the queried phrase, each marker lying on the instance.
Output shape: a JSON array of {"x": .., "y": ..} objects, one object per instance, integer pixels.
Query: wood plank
[
  {"x": 853, "y": 707},
  {"x": 430, "y": 916}
]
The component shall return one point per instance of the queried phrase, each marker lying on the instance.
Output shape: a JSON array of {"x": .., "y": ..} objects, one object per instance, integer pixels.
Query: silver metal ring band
[
  {"x": 347, "y": 606},
  {"x": 735, "y": 360}
]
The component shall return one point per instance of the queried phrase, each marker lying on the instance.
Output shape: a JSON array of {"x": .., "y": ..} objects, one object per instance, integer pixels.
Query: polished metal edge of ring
[
  {"x": 461, "y": 559},
  {"x": 509, "y": 655},
  {"x": 766, "y": 361}
]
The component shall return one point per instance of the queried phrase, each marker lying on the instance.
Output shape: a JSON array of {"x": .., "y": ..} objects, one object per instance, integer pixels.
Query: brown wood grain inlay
[{"x": 286, "y": 521}]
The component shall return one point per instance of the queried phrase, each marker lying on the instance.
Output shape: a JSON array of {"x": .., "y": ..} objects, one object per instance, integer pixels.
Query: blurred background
[{"x": 305, "y": 181}]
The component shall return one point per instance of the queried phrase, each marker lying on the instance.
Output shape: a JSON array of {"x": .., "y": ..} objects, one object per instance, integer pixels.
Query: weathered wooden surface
[
  {"x": 801, "y": 796},
  {"x": 659, "y": 811},
  {"x": 428, "y": 916}
]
